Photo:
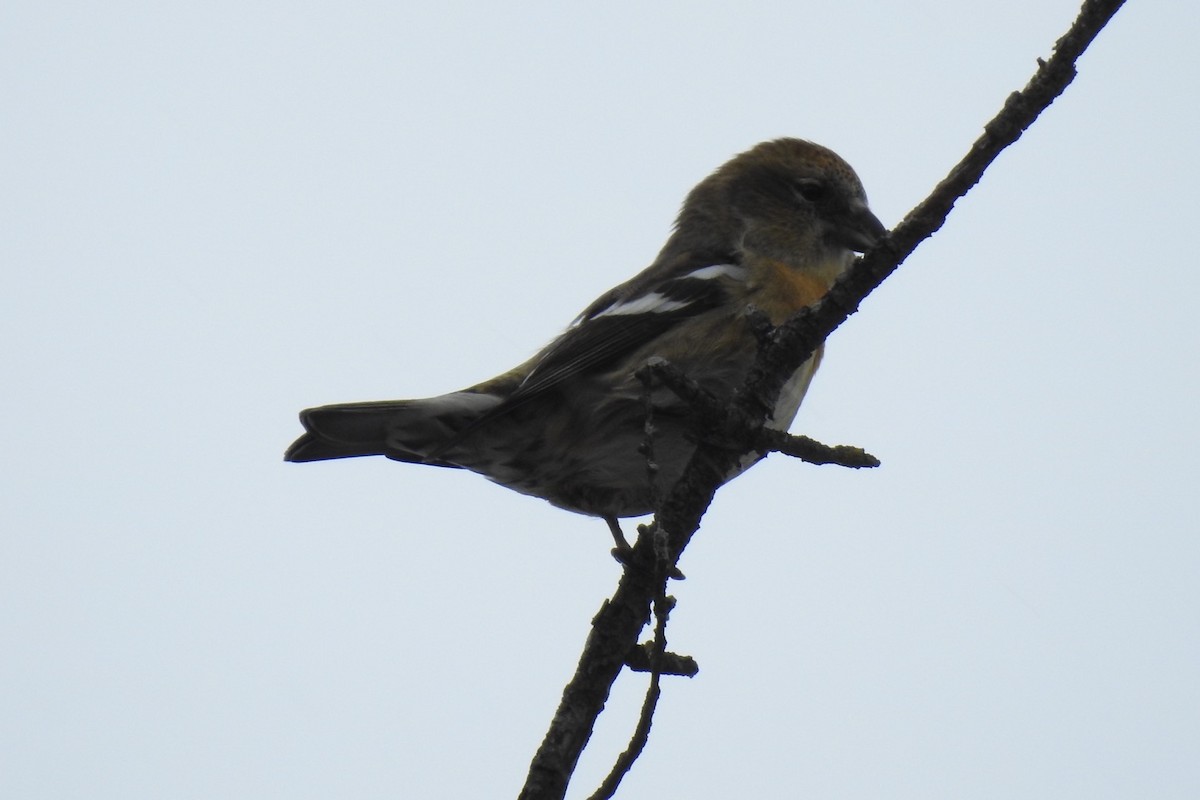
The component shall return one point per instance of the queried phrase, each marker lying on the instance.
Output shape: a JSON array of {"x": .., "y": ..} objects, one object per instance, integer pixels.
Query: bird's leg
[{"x": 622, "y": 552}]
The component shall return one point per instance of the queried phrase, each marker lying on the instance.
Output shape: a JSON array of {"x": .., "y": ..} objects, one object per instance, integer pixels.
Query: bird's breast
[{"x": 780, "y": 290}]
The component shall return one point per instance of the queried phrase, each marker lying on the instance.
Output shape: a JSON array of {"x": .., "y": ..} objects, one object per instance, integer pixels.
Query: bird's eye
[{"x": 811, "y": 190}]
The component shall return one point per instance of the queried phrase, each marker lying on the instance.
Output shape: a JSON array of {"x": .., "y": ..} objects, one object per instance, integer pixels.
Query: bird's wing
[
  {"x": 616, "y": 324},
  {"x": 627, "y": 318}
]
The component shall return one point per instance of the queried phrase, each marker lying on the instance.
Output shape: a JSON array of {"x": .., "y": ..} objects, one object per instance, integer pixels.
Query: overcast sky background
[{"x": 218, "y": 213}]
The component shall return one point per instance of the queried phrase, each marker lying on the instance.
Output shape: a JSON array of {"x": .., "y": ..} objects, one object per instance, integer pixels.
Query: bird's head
[{"x": 787, "y": 200}]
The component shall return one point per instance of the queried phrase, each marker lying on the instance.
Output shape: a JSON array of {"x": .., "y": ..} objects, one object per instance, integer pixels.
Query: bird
[{"x": 768, "y": 232}]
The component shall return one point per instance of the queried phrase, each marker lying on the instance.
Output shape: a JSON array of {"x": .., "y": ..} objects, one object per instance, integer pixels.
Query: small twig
[
  {"x": 654, "y": 655},
  {"x": 641, "y": 734},
  {"x": 813, "y": 452},
  {"x": 646, "y": 449},
  {"x": 722, "y": 422},
  {"x": 704, "y": 403},
  {"x": 638, "y": 660}
]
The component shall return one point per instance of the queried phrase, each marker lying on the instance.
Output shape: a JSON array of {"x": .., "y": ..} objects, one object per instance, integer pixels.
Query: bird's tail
[
  {"x": 343, "y": 431},
  {"x": 403, "y": 430}
]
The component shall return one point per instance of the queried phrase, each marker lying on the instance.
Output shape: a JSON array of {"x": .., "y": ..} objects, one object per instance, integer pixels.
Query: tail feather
[
  {"x": 403, "y": 430},
  {"x": 310, "y": 448},
  {"x": 344, "y": 431}
]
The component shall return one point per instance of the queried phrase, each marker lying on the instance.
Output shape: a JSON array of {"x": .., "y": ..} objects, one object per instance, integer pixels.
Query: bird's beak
[{"x": 859, "y": 229}]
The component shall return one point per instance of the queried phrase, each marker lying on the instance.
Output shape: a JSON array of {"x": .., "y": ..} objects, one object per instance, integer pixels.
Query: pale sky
[{"x": 219, "y": 213}]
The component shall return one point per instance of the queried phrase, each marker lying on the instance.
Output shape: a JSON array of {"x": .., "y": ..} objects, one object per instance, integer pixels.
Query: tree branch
[
  {"x": 732, "y": 427},
  {"x": 641, "y": 734},
  {"x": 812, "y": 451},
  {"x": 616, "y": 627}
]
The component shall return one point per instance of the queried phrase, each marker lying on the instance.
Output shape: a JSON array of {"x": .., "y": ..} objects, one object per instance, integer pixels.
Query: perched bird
[{"x": 770, "y": 230}]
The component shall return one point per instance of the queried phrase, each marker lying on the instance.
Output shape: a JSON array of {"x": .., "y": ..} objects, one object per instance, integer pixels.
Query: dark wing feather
[
  {"x": 597, "y": 338},
  {"x": 600, "y": 337}
]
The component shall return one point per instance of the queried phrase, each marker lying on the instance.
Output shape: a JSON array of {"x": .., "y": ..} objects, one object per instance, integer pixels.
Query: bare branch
[
  {"x": 732, "y": 427},
  {"x": 813, "y": 452},
  {"x": 638, "y": 660},
  {"x": 641, "y": 734},
  {"x": 616, "y": 627}
]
